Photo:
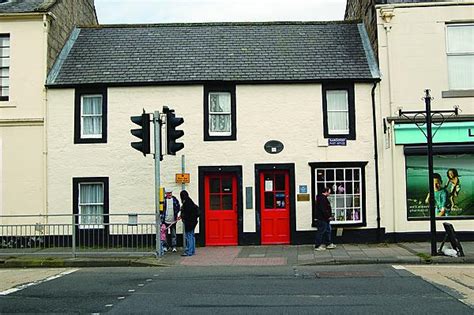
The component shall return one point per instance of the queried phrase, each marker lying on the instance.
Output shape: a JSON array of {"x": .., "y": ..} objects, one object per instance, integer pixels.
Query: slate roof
[
  {"x": 239, "y": 52},
  {"x": 24, "y": 6}
]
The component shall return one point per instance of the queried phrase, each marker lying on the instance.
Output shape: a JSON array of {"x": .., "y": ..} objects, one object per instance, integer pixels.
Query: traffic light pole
[{"x": 157, "y": 124}]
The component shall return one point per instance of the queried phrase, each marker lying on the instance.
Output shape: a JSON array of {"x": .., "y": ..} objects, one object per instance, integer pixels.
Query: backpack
[{"x": 197, "y": 211}]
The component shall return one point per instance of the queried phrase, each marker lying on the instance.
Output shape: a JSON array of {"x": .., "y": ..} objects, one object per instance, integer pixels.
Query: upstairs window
[
  {"x": 4, "y": 67},
  {"x": 460, "y": 52},
  {"x": 338, "y": 111},
  {"x": 90, "y": 116},
  {"x": 219, "y": 113}
]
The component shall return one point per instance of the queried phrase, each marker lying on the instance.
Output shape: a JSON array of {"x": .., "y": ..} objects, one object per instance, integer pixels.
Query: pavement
[{"x": 274, "y": 255}]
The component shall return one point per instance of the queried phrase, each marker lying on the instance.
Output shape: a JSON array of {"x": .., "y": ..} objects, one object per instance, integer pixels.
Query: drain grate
[{"x": 348, "y": 274}]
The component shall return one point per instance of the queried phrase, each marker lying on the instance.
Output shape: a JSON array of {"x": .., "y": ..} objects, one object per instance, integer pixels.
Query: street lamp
[{"x": 428, "y": 116}]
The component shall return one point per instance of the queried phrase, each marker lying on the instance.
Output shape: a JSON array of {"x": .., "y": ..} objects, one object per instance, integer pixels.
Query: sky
[{"x": 176, "y": 11}]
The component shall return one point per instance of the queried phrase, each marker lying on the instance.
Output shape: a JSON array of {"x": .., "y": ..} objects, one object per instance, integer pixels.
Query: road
[{"x": 356, "y": 289}]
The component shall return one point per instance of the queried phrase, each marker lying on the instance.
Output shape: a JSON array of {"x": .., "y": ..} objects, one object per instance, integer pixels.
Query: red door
[
  {"x": 275, "y": 207},
  {"x": 220, "y": 191}
]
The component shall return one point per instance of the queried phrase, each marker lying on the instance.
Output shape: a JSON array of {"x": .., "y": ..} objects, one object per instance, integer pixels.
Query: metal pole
[
  {"x": 73, "y": 235},
  {"x": 183, "y": 187},
  {"x": 429, "y": 138},
  {"x": 157, "y": 124}
]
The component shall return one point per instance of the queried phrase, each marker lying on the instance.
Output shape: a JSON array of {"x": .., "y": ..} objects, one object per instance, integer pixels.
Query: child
[
  {"x": 164, "y": 231},
  {"x": 453, "y": 186}
]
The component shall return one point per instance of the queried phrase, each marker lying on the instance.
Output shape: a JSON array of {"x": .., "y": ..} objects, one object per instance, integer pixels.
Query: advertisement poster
[{"x": 453, "y": 182}]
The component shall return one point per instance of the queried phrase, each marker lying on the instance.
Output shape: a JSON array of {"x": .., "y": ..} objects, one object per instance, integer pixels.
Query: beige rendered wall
[
  {"x": 264, "y": 112},
  {"x": 21, "y": 118},
  {"x": 412, "y": 56}
]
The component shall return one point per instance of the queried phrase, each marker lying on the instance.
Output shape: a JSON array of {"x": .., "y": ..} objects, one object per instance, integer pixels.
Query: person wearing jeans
[
  {"x": 170, "y": 215},
  {"x": 322, "y": 219},
  {"x": 189, "y": 214}
]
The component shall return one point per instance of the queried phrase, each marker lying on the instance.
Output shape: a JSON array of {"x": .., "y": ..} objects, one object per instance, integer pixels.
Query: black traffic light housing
[
  {"x": 142, "y": 133},
  {"x": 171, "y": 133}
]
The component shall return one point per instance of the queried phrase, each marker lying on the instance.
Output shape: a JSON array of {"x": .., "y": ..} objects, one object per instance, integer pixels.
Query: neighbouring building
[
  {"x": 424, "y": 45},
  {"x": 32, "y": 33},
  {"x": 273, "y": 113}
]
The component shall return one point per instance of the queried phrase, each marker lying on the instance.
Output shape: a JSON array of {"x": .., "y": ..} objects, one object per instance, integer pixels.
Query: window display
[{"x": 346, "y": 197}]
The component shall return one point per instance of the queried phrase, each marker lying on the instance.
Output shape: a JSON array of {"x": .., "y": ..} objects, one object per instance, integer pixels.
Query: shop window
[
  {"x": 219, "y": 113},
  {"x": 460, "y": 54},
  {"x": 453, "y": 182},
  {"x": 339, "y": 111},
  {"x": 90, "y": 116},
  {"x": 347, "y": 184}
]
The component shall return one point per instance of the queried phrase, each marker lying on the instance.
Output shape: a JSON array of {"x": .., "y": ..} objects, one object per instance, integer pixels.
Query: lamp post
[{"x": 428, "y": 115}]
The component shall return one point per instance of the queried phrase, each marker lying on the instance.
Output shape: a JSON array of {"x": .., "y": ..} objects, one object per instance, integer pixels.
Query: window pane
[
  {"x": 215, "y": 185},
  {"x": 339, "y": 174},
  {"x": 5, "y": 52},
  {"x": 356, "y": 174},
  {"x": 5, "y": 92},
  {"x": 219, "y": 102},
  {"x": 349, "y": 174},
  {"x": 215, "y": 202},
  {"x": 279, "y": 182},
  {"x": 280, "y": 200},
  {"x": 340, "y": 201},
  {"x": 348, "y": 186},
  {"x": 340, "y": 215},
  {"x": 227, "y": 202},
  {"x": 220, "y": 123},
  {"x": 338, "y": 122},
  {"x": 91, "y": 193},
  {"x": 4, "y": 41},
  {"x": 227, "y": 185},
  {"x": 337, "y": 100},
  {"x": 92, "y": 105},
  {"x": 5, "y": 82},
  {"x": 320, "y": 175},
  {"x": 269, "y": 200},
  {"x": 91, "y": 125},
  {"x": 460, "y": 38},
  {"x": 329, "y": 175},
  {"x": 4, "y": 72},
  {"x": 4, "y": 62},
  {"x": 320, "y": 188},
  {"x": 461, "y": 72}
]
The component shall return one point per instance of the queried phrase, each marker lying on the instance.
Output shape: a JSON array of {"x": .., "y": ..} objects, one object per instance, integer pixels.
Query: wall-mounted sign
[
  {"x": 303, "y": 189},
  {"x": 337, "y": 141},
  {"x": 449, "y": 132},
  {"x": 302, "y": 197},
  {"x": 273, "y": 146},
  {"x": 183, "y": 178}
]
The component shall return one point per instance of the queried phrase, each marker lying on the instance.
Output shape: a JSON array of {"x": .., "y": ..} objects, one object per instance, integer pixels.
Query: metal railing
[{"x": 74, "y": 234}]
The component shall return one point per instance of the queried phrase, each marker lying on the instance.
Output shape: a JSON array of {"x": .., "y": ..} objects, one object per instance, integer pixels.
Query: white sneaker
[
  {"x": 165, "y": 249},
  {"x": 331, "y": 246},
  {"x": 174, "y": 250},
  {"x": 320, "y": 247}
]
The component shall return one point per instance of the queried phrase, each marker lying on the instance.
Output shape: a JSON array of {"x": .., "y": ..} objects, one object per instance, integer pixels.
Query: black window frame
[
  {"x": 349, "y": 87},
  {"x": 75, "y": 197},
  {"x": 225, "y": 87},
  {"x": 77, "y": 115},
  {"x": 6, "y": 98}
]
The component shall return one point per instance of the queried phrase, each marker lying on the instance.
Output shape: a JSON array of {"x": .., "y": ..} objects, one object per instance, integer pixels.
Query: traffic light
[
  {"x": 142, "y": 133},
  {"x": 171, "y": 133}
]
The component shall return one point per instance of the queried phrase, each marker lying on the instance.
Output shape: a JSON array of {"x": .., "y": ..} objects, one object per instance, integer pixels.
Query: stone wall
[
  {"x": 364, "y": 10},
  {"x": 68, "y": 14}
]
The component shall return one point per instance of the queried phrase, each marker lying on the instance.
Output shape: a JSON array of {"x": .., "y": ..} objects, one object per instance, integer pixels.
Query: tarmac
[{"x": 274, "y": 255}]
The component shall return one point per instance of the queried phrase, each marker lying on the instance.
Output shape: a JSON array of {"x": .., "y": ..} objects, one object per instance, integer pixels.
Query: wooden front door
[
  {"x": 275, "y": 207},
  {"x": 220, "y": 191}
]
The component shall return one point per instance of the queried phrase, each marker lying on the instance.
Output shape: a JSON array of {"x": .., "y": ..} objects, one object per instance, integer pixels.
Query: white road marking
[
  {"x": 398, "y": 267},
  {"x": 148, "y": 280},
  {"x": 141, "y": 285},
  {"x": 131, "y": 290},
  {"x": 109, "y": 305},
  {"x": 24, "y": 286},
  {"x": 121, "y": 298}
]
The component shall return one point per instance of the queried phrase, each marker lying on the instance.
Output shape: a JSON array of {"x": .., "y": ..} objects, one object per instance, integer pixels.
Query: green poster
[{"x": 453, "y": 182}]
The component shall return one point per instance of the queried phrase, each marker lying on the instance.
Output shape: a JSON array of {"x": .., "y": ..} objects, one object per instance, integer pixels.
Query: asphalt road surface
[{"x": 234, "y": 290}]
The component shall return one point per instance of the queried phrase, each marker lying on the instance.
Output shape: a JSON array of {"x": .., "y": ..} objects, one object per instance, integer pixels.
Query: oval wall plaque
[{"x": 273, "y": 146}]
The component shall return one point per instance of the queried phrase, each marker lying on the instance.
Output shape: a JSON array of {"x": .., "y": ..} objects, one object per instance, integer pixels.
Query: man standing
[
  {"x": 170, "y": 215},
  {"x": 322, "y": 217}
]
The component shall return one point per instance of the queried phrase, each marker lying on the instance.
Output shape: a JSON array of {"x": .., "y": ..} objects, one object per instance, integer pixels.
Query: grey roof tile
[
  {"x": 278, "y": 51},
  {"x": 23, "y": 6}
]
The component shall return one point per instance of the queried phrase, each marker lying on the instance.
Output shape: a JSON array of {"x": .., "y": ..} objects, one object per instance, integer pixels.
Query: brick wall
[
  {"x": 364, "y": 10},
  {"x": 68, "y": 13}
]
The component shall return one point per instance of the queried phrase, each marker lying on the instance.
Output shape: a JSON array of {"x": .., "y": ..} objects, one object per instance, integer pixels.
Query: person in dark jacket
[
  {"x": 322, "y": 218},
  {"x": 189, "y": 215}
]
